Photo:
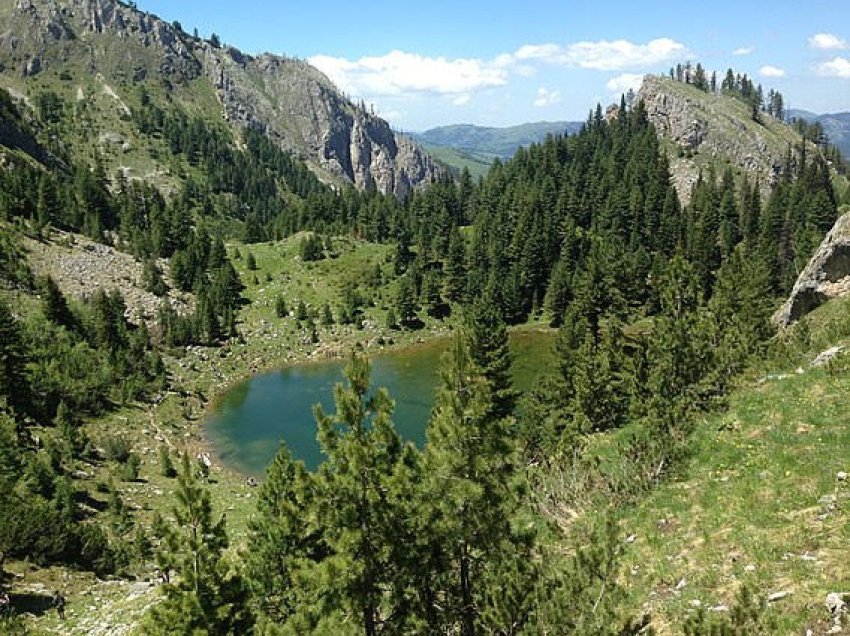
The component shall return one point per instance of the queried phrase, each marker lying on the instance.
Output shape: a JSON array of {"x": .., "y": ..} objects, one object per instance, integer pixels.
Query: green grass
[{"x": 754, "y": 504}]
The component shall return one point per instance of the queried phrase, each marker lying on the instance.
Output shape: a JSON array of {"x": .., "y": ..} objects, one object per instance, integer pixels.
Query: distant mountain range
[
  {"x": 835, "y": 125},
  {"x": 475, "y": 147}
]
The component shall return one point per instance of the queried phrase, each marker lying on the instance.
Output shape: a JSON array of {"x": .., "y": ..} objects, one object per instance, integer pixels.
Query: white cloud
[
  {"x": 524, "y": 70},
  {"x": 616, "y": 55},
  {"x": 400, "y": 73},
  {"x": 625, "y": 82},
  {"x": 537, "y": 52},
  {"x": 403, "y": 74},
  {"x": 827, "y": 41},
  {"x": 743, "y": 50},
  {"x": 603, "y": 55},
  {"x": 545, "y": 97},
  {"x": 836, "y": 67},
  {"x": 771, "y": 71}
]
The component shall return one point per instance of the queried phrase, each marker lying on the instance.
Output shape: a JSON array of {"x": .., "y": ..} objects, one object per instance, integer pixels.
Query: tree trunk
[{"x": 467, "y": 610}]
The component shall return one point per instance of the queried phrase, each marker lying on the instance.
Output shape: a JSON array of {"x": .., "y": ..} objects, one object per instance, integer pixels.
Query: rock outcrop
[
  {"x": 48, "y": 32},
  {"x": 709, "y": 129},
  {"x": 827, "y": 275},
  {"x": 293, "y": 103},
  {"x": 298, "y": 107}
]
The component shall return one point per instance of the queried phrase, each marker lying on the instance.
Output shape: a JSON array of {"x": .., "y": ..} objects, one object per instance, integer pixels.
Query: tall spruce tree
[{"x": 487, "y": 341}]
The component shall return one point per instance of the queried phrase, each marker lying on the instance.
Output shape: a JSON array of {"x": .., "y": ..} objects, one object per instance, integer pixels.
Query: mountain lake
[{"x": 249, "y": 421}]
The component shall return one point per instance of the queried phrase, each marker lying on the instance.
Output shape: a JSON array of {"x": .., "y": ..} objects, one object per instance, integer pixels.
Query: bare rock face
[
  {"x": 48, "y": 30},
  {"x": 713, "y": 127},
  {"x": 298, "y": 107},
  {"x": 826, "y": 276}
]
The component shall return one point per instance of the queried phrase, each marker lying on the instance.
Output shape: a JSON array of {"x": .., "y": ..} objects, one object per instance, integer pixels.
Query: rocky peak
[
  {"x": 39, "y": 26},
  {"x": 298, "y": 106},
  {"x": 707, "y": 129}
]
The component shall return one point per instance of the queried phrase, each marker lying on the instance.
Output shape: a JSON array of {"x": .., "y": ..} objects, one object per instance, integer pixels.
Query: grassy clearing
[{"x": 478, "y": 164}]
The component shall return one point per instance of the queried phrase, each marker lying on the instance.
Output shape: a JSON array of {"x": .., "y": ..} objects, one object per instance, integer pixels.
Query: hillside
[
  {"x": 703, "y": 131},
  {"x": 98, "y": 54},
  {"x": 763, "y": 500},
  {"x": 475, "y": 147}
]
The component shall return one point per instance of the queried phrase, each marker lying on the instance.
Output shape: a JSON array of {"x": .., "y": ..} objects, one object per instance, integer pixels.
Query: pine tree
[
  {"x": 327, "y": 315},
  {"x": 487, "y": 341},
  {"x": 13, "y": 381},
  {"x": 56, "y": 307},
  {"x": 469, "y": 465},
  {"x": 678, "y": 358},
  {"x": 282, "y": 532},
  {"x": 206, "y": 598},
  {"x": 360, "y": 523},
  {"x": 406, "y": 303},
  {"x": 455, "y": 268},
  {"x": 280, "y": 308},
  {"x": 432, "y": 299}
]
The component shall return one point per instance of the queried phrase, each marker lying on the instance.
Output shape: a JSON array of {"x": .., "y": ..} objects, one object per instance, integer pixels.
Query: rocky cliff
[
  {"x": 299, "y": 107},
  {"x": 292, "y": 102},
  {"x": 710, "y": 130},
  {"x": 827, "y": 275}
]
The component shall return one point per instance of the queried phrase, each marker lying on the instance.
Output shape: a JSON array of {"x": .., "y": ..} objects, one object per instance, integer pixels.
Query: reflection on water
[{"x": 253, "y": 417}]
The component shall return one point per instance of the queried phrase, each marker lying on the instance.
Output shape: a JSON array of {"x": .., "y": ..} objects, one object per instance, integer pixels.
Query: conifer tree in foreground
[
  {"x": 468, "y": 466},
  {"x": 204, "y": 598},
  {"x": 334, "y": 551},
  {"x": 360, "y": 526}
]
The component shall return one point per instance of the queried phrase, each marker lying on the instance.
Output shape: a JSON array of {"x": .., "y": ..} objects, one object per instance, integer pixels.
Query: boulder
[{"x": 826, "y": 276}]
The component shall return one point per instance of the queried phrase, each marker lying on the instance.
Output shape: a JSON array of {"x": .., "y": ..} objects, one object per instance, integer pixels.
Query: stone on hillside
[
  {"x": 835, "y": 602},
  {"x": 33, "y": 67},
  {"x": 825, "y": 357},
  {"x": 778, "y": 596},
  {"x": 826, "y": 276}
]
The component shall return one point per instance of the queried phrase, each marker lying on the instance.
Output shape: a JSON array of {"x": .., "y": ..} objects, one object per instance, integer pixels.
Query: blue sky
[{"x": 424, "y": 64}]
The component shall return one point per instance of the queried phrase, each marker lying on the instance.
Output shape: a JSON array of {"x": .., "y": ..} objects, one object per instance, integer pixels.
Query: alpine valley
[{"x": 179, "y": 219}]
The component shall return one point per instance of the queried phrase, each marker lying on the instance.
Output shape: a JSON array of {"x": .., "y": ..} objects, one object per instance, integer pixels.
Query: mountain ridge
[
  {"x": 703, "y": 131},
  {"x": 473, "y": 147},
  {"x": 290, "y": 101},
  {"x": 501, "y": 141}
]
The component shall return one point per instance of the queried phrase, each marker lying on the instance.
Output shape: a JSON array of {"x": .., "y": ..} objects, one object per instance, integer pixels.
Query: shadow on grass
[{"x": 30, "y": 603}]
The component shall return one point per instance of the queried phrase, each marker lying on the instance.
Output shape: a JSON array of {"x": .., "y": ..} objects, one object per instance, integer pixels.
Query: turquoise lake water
[{"x": 250, "y": 420}]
